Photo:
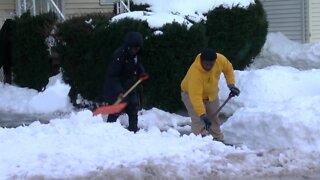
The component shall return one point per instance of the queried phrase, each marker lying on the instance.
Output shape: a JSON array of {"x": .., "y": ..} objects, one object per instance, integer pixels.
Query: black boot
[
  {"x": 133, "y": 123},
  {"x": 133, "y": 129},
  {"x": 112, "y": 118},
  {"x": 132, "y": 111}
]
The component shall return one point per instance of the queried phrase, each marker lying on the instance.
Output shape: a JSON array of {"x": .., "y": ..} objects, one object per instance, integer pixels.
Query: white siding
[
  {"x": 69, "y": 8},
  {"x": 314, "y": 23},
  {"x": 7, "y": 10},
  {"x": 286, "y": 16},
  {"x": 80, "y": 7}
]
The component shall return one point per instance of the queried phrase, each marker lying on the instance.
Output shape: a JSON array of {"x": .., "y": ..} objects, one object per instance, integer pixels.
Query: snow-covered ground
[{"x": 276, "y": 117}]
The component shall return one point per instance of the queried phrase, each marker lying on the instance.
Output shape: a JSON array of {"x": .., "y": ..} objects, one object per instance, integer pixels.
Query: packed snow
[{"x": 275, "y": 118}]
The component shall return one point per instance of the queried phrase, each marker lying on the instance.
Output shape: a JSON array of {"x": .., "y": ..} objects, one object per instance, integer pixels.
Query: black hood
[{"x": 133, "y": 39}]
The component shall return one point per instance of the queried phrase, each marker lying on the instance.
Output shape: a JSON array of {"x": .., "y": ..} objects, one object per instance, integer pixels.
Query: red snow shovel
[{"x": 118, "y": 106}]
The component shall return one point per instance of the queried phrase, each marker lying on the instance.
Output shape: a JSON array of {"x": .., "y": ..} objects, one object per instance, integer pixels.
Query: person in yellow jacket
[{"x": 199, "y": 91}]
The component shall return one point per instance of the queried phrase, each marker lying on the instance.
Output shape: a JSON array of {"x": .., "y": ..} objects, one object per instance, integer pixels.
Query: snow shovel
[
  {"x": 118, "y": 106},
  {"x": 217, "y": 112}
]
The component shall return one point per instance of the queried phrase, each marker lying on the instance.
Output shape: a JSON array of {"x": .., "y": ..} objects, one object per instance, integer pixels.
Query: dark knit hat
[
  {"x": 208, "y": 55},
  {"x": 133, "y": 39}
]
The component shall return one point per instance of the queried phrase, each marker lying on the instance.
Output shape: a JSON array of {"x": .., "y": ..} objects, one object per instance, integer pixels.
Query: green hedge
[
  {"x": 85, "y": 53},
  {"x": 84, "y": 68},
  {"x": 85, "y": 46},
  {"x": 167, "y": 58},
  {"x": 31, "y": 66},
  {"x": 237, "y": 33}
]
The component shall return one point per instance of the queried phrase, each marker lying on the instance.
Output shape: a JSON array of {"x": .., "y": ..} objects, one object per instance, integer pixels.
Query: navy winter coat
[{"x": 124, "y": 70}]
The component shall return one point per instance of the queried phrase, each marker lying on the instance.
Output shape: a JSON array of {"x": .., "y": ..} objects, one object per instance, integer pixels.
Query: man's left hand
[
  {"x": 234, "y": 91},
  {"x": 206, "y": 121}
]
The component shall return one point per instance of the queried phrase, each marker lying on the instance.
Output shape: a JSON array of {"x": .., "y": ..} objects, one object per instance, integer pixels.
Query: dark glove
[
  {"x": 234, "y": 91},
  {"x": 206, "y": 121}
]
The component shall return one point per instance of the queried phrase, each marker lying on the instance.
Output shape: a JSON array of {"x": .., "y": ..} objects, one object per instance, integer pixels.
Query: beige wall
[
  {"x": 69, "y": 8},
  {"x": 78, "y": 7},
  {"x": 314, "y": 20},
  {"x": 286, "y": 16},
  {"x": 7, "y": 10}
]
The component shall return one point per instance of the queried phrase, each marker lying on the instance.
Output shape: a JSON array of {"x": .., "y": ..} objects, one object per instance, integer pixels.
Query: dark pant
[
  {"x": 196, "y": 124},
  {"x": 7, "y": 74},
  {"x": 132, "y": 111}
]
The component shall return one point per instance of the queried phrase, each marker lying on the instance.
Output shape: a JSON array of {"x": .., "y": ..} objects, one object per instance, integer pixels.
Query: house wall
[
  {"x": 79, "y": 7},
  {"x": 288, "y": 17},
  {"x": 7, "y": 10},
  {"x": 314, "y": 20},
  {"x": 70, "y": 8}
]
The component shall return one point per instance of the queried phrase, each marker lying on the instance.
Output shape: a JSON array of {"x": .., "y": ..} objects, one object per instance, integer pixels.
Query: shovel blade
[{"x": 110, "y": 109}]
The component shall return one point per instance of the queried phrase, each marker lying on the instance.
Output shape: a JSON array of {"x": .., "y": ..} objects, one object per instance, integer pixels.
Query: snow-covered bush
[{"x": 238, "y": 33}]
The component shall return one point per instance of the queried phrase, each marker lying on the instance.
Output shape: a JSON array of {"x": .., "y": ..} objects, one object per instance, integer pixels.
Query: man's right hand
[
  {"x": 121, "y": 96},
  {"x": 144, "y": 76},
  {"x": 206, "y": 121}
]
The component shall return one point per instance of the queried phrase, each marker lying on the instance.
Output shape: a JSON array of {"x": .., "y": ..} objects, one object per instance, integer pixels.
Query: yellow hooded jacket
[{"x": 203, "y": 85}]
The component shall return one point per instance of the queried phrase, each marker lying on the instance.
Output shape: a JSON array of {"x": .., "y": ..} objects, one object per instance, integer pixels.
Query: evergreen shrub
[
  {"x": 167, "y": 58},
  {"x": 85, "y": 53},
  {"x": 168, "y": 51},
  {"x": 75, "y": 50},
  {"x": 31, "y": 66},
  {"x": 238, "y": 33}
]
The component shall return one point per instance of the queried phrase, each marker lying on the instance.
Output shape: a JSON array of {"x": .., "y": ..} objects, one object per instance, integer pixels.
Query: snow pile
[{"x": 279, "y": 50}]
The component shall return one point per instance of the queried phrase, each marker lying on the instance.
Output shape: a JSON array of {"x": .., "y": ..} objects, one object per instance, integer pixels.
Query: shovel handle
[
  {"x": 142, "y": 78},
  {"x": 120, "y": 98},
  {"x": 217, "y": 112}
]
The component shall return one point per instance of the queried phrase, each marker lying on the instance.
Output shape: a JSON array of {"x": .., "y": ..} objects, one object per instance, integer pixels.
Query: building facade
[
  {"x": 314, "y": 20},
  {"x": 7, "y": 10},
  {"x": 299, "y": 20},
  {"x": 63, "y": 8}
]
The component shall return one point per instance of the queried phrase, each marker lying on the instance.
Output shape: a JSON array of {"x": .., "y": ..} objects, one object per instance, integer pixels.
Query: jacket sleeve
[
  {"x": 114, "y": 74},
  {"x": 228, "y": 71},
  {"x": 195, "y": 94},
  {"x": 140, "y": 67}
]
